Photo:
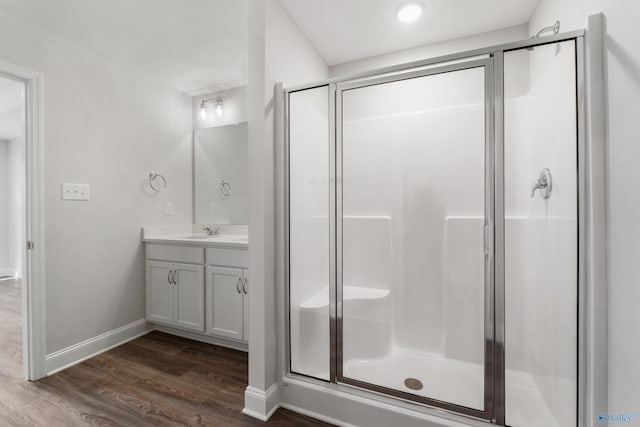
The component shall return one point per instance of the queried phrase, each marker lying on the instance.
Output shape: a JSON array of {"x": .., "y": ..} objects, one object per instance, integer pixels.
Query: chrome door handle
[
  {"x": 174, "y": 277},
  {"x": 238, "y": 285},
  {"x": 169, "y": 276},
  {"x": 488, "y": 239},
  {"x": 244, "y": 286}
]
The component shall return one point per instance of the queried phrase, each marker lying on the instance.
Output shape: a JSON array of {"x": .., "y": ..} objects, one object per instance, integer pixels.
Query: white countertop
[{"x": 230, "y": 236}]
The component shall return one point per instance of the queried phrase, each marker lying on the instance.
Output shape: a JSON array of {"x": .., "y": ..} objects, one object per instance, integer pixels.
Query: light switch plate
[{"x": 75, "y": 191}]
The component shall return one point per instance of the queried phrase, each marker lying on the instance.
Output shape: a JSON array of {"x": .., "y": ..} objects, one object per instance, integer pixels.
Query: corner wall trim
[
  {"x": 74, "y": 354},
  {"x": 261, "y": 404},
  {"x": 596, "y": 394}
]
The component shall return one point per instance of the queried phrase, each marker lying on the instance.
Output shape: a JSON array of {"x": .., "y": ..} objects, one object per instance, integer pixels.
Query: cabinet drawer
[
  {"x": 228, "y": 257},
  {"x": 175, "y": 253}
]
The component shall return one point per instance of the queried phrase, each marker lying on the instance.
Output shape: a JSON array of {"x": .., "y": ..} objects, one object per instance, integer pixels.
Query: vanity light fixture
[
  {"x": 410, "y": 11},
  {"x": 219, "y": 108}
]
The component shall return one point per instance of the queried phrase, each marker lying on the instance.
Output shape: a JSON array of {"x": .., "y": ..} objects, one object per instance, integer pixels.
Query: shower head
[{"x": 555, "y": 28}]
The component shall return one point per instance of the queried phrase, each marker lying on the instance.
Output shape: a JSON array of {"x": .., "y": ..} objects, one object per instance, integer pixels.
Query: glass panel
[
  {"x": 541, "y": 255},
  {"x": 309, "y": 231},
  {"x": 413, "y": 278}
]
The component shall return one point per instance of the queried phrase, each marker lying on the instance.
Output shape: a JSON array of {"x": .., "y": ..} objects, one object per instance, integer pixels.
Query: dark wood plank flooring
[{"x": 155, "y": 380}]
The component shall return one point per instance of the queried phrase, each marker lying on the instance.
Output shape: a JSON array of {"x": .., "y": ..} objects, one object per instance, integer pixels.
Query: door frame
[
  {"x": 33, "y": 255},
  {"x": 491, "y": 169}
]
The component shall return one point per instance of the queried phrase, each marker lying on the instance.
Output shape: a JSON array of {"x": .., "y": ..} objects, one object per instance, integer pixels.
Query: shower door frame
[
  {"x": 494, "y": 400},
  {"x": 490, "y": 168}
]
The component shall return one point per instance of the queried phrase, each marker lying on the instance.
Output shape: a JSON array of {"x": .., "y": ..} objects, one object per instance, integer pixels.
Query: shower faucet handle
[{"x": 544, "y": 183}]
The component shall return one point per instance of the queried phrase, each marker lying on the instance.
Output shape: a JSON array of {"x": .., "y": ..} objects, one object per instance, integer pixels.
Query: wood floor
[{"x": 155, "y": 380}]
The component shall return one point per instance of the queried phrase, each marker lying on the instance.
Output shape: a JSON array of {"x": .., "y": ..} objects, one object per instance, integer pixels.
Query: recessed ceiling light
[{"x": 410, "y": 11}]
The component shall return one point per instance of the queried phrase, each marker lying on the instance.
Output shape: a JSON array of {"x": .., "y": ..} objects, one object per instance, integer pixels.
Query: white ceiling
[
  {"x": 347, "y": 30},
  {"x": 190, "y": 44},
  {"x": 11, "y": 109}
]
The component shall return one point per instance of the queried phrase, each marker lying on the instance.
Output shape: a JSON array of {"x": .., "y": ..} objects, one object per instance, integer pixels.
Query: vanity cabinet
[
  {"x": 226, "y": 290},
  {"x": 198, "y": 287},
  {"x": 175, "y": 289},
  {"x": 227, "y": 293}
]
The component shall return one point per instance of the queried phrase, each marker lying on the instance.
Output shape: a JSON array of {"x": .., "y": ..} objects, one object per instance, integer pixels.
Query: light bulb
[
  {"x": 219, "y": 108},
  {"x": 410, "y": 11},
  {"x": 203, "y": 111}
]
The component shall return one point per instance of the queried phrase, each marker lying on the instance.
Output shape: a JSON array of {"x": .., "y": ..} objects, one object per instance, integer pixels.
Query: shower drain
[{"x": 413, "y": 384}]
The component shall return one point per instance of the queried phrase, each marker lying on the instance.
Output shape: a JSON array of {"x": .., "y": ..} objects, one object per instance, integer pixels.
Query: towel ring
[
  {"x": 225, "y": 188},
  {"x": 157, "y": 182}
]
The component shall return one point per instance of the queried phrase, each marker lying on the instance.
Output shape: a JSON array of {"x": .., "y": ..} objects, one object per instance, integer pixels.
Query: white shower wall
[
  {"x": 414, "y": 152},
  {"x": 5, "y": 246}
]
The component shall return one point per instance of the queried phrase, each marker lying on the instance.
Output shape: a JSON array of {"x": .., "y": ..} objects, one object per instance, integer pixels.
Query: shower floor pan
[{"x": 462, "y": 383}]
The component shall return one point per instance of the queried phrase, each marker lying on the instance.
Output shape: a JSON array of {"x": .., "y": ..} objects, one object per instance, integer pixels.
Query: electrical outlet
[
  {"x": 168, "y": 208},
  {"x": 213, "y": 208},
  {"x": 75, "y": 191}
]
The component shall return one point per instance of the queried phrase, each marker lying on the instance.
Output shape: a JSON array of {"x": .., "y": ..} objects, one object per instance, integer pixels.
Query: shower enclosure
[{"x": 434, "y": 224}]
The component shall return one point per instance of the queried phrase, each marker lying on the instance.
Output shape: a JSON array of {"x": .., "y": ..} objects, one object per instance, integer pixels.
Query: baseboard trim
[
  {"x": 261, "y": 404},
  {"x": 72, "y": 355},
  {"x": 209, "y": 339}
]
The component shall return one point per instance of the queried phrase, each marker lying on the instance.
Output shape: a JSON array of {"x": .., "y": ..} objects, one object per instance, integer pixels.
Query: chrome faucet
[
  {"x": 543, "y": 183},
  {"x": 215, "y": 231}
]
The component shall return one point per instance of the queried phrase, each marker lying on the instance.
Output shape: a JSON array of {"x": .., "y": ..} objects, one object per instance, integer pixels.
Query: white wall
[
  {"x": 623, "y": 203},
  {"x": 106, "y": 126},
  {"x": 506, "y": 35},
  {"x": 16, "y": 223},
  {"x": 278, "y": 51},
  {"x": 5, "y": 261},
  {"x": 234, "y": 103}
]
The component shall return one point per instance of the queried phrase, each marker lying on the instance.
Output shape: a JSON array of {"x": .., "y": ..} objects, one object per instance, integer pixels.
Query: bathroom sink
[
  {"x": 195, "y": 237},
  {"x": 222, "y": 238}
]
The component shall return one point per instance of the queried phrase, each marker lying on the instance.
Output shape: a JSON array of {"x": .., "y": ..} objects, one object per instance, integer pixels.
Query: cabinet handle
[
  {"x": 244, "y": 286},
  {"x": 174, "y": 277},
  {"x": 238, "y": 285},
  {"x": 169, "y": 276}
]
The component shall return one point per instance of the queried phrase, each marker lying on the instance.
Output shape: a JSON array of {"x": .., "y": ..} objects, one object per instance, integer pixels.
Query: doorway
[
  {"x": 21, "y": 222},
  {"x": 12, "y": 221}
]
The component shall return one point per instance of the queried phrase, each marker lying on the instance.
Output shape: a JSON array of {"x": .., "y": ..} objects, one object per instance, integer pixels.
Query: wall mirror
[{"x": 221, "y": 175}]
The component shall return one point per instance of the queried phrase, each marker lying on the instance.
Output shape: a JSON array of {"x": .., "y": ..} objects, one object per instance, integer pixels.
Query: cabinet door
[
  {"x": 189, "y": 302},
  {"x": 159, "y": 292},
  {"x": 224, "y": 302},
  {"x": 245, "y": 317}
]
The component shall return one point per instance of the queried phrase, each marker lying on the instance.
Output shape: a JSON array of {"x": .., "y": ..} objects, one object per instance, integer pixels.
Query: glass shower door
[{"x": 414, "y": 235}]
